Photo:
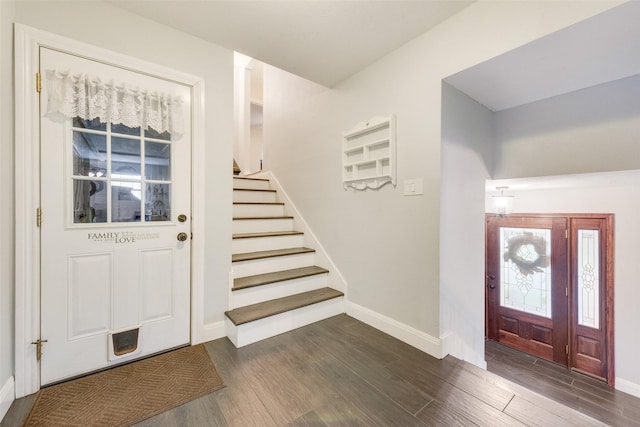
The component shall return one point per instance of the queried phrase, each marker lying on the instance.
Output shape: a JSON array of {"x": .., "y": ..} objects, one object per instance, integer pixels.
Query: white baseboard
[
  {"x": 453, "y": 345},
  {"x": 213, "y": 331},
  {"x": 404, "y": 333},
  {"x": 7, "y": 396},
  {"x": 628, "y": 387}
]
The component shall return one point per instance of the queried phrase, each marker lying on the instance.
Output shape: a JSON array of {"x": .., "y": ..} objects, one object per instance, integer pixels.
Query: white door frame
[{"x": 28, "y": 40}]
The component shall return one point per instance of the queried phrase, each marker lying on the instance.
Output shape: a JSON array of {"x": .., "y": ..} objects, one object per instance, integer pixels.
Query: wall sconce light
[{"x": 502, "y": 203}]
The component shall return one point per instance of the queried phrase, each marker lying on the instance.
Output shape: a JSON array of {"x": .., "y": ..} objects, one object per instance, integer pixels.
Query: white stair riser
[
  {"x": 262, "y": 225},
  {"x": 271, "y": 291},
  {"x": 251, "y": 184},
  {"x": 244, "y": 211},
  {"x": 254, "y": 196},
  {"x": 268, "y": 265},
  {"x": 239, "y": 246},
  {"x": 258, "y": 330}
]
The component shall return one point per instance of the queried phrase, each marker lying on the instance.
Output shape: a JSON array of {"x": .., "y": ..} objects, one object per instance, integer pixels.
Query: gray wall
[
  {"x": 592, "y": 130},
  {"x": 467, "y": 142}
]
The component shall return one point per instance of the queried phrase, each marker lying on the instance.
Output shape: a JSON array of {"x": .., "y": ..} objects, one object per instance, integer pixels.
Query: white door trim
[{"x": 28, "y": 40}]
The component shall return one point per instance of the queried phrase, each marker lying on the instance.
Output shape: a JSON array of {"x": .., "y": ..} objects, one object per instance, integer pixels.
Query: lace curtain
[{"x": 80, "y": 95}]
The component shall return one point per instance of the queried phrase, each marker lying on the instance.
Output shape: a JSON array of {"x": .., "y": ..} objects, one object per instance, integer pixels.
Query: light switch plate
[{"x": 413, "y": 187}]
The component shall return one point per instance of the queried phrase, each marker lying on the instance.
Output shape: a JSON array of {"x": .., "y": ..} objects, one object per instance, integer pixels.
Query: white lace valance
[{"x": 79, "y": 95}]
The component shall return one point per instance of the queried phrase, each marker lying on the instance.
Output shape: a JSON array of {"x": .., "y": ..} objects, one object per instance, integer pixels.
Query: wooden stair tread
[
  {"x": 267, "y": 234},
  {"x": 265, "y": 309},
  {"x": 255, "y": 189},
  {"x": 258, "y": 203},
  {"x": 251, "y": 179},
  {"x": 269, "y": 254},
  {"x": 276, "y": 276},
  {"x": 241, "y": 218}
]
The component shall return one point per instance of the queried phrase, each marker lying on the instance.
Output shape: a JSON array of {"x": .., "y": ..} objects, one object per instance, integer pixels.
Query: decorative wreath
[{"x": 526, "y": 266}]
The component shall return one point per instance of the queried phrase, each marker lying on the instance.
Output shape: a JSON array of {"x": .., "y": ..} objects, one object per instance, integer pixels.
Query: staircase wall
[{"x": 310, "y": 240}]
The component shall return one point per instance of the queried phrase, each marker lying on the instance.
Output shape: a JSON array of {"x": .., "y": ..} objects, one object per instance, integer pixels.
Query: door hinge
[
  {"x": 39, "y": 217},
  {"x": 38, "y": 83},
  {"x": 38, "y": 345},
  {"x": 566, "y": 349},
  {"x": 566, "y": 234},
  {"x": 566, "y": 292}
]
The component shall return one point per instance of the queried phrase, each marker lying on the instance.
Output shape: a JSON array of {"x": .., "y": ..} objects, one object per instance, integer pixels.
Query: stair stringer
[{"x": 337, "y": 280}]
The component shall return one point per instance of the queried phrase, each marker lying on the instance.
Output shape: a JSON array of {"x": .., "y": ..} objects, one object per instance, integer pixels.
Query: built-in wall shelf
[{"x": 369, "y": 154}]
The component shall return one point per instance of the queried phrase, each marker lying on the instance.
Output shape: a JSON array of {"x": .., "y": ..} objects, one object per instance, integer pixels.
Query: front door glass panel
[
  {"x": 525, "y": 270},
  {"x": 589, "y": 278}
]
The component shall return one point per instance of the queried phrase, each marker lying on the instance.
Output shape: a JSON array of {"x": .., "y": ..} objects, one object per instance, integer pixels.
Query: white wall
[
  {"x": 467, "y": 138},
  {"x": 591, "y": 130},
  {"x": 6, "y": 200},
  {"x": 610, "y": 192},
  {"x": 109, "y": 27},
  {"x": 386, "y": 245}
]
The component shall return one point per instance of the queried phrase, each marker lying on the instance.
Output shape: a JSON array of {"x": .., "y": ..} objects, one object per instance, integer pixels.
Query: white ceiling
[
  {"x": 327, "y": 41},
  {"x": 598, "y": 50},
  {"x": 321, "y": 40}
]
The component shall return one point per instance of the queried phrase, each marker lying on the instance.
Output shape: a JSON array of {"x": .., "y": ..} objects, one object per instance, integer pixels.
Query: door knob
[
  {"x": 182, "y": 236},
  {"x": 182, "y": 218},
  {"x": 492, "y": 286}
]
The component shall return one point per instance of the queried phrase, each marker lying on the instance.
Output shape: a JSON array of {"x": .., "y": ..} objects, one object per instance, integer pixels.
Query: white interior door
[{"x": 114, "y": 200}]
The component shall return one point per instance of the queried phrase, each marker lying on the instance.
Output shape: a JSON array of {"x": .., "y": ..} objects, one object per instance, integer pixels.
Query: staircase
[{"x": 276, "y": 285}]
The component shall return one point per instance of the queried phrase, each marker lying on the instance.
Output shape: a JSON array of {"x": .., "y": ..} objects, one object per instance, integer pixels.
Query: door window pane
[
  {"x": 89, "y": 154},
  {"x": 114, "y": 179},
  {"x": 152, "y": 133},
  {"x": 157, "y": 161},
  {"x": 125, "y": 158},
  {"x": 89, "y": 201},
  {"x": 124, "y": 129},
  {"x": 94, "y": 124},
  {"x": 126, "y": 200},
  {"x": 525, "y": 270},
  {"x": 589, "y": 278},
  {"x": 158, "y": 202}
]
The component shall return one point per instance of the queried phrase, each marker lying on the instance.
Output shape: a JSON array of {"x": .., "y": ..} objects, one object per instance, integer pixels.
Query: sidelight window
[{"x": 588, "y": 276}]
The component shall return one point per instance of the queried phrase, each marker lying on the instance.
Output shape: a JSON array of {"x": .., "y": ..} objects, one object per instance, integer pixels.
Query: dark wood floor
[
  {"x": 341, "y": 372},
  {"x": 581, "y": 392}
]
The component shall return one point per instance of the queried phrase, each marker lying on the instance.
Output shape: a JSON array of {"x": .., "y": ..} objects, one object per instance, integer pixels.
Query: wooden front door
[
  {"x": 526, "y": 285},
  {"x": 549, "y": 288}
]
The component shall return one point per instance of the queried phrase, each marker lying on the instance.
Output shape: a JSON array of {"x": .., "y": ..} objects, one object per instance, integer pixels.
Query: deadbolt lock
[
  {"x": 182, "y": 237},
  {"x": 182, "y": 218}
]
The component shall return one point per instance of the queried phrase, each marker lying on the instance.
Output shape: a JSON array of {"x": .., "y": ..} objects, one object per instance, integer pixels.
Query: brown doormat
[{"x": 128, "y": 394}]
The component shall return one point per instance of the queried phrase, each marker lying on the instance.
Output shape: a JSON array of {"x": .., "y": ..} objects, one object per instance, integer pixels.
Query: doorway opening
[
  {"x": 248, "y": 102},
  {"x": 549, "y": 288}
]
